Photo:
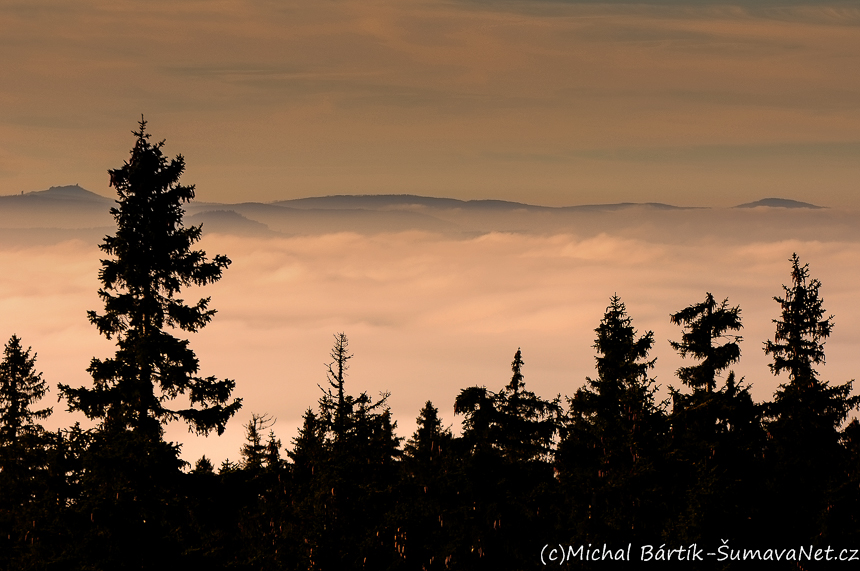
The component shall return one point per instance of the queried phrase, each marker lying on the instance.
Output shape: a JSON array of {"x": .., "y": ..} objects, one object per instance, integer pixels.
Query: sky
[
  {"x": 552, "y": 103},
  {"x": 694, "y": 103}
]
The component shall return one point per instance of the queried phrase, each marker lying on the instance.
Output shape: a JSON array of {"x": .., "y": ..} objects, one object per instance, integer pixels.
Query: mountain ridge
[
  {"x": 76, "y": 193},
  {"x": 778, "y": 203}
]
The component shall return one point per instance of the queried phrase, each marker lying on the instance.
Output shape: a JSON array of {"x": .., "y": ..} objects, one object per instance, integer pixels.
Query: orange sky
[{"x": 691, "y": 103}]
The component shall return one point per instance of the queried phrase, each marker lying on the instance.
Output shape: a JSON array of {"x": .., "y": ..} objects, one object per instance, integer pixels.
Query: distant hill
[
  {"x": 74, "y": 194},
  {"x": 627, "y": 205},
  {"x": 395, "y": 201},
  {"x": 778, "y": 203},
  {"x": 69, "y": 193},
  {"x": 66, "y": 212},
  {"x": 66, "y": 207},
  {"x": 406, "y": 201}
]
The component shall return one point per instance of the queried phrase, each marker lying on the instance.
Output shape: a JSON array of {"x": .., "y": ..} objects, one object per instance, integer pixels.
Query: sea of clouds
[{"x": 428, "y": 314}]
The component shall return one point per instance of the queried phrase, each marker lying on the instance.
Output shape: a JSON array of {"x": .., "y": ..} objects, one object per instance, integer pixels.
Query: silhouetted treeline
[{"x": 610, "y": 465}]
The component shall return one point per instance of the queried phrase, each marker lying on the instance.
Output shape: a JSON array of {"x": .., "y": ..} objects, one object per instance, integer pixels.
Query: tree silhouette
[
  {"x": 429, "y": 439},
  {"x": 20, "y": 387},
  {"x": 716, "y": 433},
  {"x": 798, "y": 343},
  {"x": 611, "y": 445},
  {"x": 804, "y": 452},
  {"x": 527, "y": 423},
  {"x": 131, "y": 479},
  {"x": 23, "y": 452},
  {"x": 151, "y": 261},
  {"x": 254, "y": 452},
  {"x": 427, "y": 494},
  {"x": 506, "y": 469},
  {"x": 337, "y": 406},
  {"x": 344, "y": 463},
  {"x": 704, "y": 323}
]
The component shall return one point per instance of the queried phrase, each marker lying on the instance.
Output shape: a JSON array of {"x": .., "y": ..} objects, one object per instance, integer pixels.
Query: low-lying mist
[{"x": 428, "y": 313}]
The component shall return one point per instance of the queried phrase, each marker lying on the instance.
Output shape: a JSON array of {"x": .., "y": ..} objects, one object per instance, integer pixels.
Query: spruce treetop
[
  {"x": 620, "y": 360},
  {"x": 798, "y": 343},
  {"x": 515, "y": 422},
  {"x": 704, "y": 323},
  {"x": 622, "y": 394},
  {"x": 428, "y": 433},
  {"x": 20, "y": 387}
]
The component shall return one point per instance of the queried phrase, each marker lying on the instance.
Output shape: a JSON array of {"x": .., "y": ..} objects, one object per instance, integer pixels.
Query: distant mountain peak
[
  {"x": 68, "y": 193},
  {"x": 778, "y": 203},
  {"x": 66, "y": 188}
]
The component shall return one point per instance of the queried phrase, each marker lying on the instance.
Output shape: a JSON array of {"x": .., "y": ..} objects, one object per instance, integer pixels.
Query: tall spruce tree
[
  {"x": 22, "y": 438},
  {"x": 507, "y": 470},
  {"x": 804, "y": 452},
  {"x": 427, "y": 494},
  {"x": 430, "y": 438},
  {"x": 151, "y": 261},
  {"x": 608, "y": 457},
  {"x": 131, "y": 478},
  {"x": 527, "y": 423},
  {"x": 349, "y": 490},
  {"x": 23, "y": 454},
  {"x": 309, "y": 456},
  {"x": 716, "y": 431}
]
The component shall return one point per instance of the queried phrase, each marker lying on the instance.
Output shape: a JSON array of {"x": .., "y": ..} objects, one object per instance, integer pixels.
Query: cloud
[{"x": 428, "y": 314}]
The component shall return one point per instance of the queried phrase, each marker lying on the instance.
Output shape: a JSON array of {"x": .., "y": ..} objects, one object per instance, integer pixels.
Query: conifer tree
[
  {"x": 260, "y": 497},
  {"x": 131, "y": 478},
  {"x": 20, "y": 387},
  {"x": 608, "y": 457},
  {"x": 309, "y": 457},
  {"x": 507, "y": 472},
  {"x": 527, "y": 423},
  {"x": 705, "y": 323},
  {"x": 336, "y": 406},
  {"x": 272, "y": 454},
  {"x": 254, "y": 451},
  {"x": 514, "y": 422},
  {"x": 23, "y": 454},
  {"x": 478, "y": 407},
  {"x": 22, "y": 438},
  {"x": 716, "y": 433},
  {"x": 803, "y": 422},
  {"x": 349, "y": 491},
  {"x": 430, "y": 438},
  {"x": 428, "y": 493},
  {"x": 151, "y": 261},
  {"x": 204, "y": 466},
  {"x": 307, "y": 450}
]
